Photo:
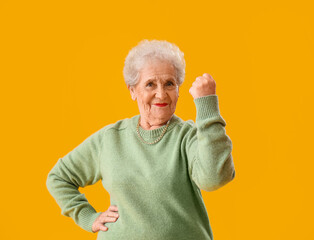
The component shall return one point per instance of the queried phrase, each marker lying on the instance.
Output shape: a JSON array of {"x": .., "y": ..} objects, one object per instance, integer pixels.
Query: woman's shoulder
[
  {"x": 183, "y": 124},
  {"x": 118, "y": 125}
]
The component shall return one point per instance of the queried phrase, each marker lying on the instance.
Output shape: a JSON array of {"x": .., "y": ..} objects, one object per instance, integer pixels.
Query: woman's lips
[{"x": 161, "y": 104}]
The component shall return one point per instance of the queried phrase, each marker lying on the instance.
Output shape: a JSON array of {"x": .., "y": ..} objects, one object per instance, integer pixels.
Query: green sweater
[{"x": 155, "y": 187}]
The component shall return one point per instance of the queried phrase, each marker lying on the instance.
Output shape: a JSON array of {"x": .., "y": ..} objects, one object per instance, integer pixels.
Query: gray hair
[{"x": 150, "y": 50}]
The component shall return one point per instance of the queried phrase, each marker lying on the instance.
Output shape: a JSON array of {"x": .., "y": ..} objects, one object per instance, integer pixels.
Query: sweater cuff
[
  {"x": 206, "y": 107},
  {"x": 87, "y": 217}
]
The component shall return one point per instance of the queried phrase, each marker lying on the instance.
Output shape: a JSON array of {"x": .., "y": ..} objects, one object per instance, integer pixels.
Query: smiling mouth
[{"x": 161, "y": 104}]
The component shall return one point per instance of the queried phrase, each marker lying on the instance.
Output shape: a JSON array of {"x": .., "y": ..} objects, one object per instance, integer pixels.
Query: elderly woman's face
[{"x": 156, "y": 92}]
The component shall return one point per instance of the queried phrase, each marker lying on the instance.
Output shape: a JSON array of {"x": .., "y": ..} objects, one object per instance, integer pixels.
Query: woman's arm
[
  {"x": 78, "y": 168},
  {"x": 208, "y": 147}
]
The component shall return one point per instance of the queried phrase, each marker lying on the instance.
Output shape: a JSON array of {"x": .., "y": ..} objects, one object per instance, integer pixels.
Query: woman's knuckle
[
  {"x": 108, "y": 219},
  {"x": 113, "y": 214}
]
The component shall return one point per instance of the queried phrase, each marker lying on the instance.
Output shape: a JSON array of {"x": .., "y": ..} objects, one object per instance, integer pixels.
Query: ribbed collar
[{"x": 155, "y": 133}]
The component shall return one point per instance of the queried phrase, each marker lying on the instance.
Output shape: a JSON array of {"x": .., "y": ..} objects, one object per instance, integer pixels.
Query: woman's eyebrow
[
  {"x": 171, "y": 79},
  {"x": 150, "y": 80},
  {"x": 154, "y": 79}
]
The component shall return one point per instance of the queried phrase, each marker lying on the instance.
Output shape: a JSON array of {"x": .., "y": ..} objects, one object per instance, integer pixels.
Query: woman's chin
[{"x": 164, "y": 116}]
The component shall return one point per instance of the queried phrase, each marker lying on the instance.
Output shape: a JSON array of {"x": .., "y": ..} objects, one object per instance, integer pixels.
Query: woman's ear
[{"x": 133, "y": 95}]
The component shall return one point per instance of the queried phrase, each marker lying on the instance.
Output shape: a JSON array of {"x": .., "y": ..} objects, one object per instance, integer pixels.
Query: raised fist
[{"x": 203, "y": 86}]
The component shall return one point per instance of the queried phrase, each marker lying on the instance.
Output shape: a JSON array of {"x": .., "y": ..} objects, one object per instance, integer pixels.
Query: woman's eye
[
  {"x": 150, "y": 84},
  {"x": 170, "y": 83}
]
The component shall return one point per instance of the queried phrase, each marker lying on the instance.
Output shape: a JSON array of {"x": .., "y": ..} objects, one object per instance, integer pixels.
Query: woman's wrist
[{"x": 207, "y": 107}]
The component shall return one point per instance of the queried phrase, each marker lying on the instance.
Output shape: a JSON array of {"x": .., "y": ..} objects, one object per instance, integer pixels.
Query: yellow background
[{"x": 61, "y": 80}]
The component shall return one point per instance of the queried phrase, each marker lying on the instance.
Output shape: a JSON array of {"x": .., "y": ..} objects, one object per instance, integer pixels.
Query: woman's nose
[{"x": 161, "y": 93}]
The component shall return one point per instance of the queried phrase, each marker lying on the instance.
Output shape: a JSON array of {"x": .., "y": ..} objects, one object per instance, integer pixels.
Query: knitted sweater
[{"x": 155, "y": 187}]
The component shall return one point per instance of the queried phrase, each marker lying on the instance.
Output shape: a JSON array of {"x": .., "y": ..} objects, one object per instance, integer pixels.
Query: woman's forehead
[{"x": 161, "y": 70}]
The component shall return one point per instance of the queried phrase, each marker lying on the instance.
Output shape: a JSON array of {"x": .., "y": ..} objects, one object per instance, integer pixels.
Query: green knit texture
[{"x": 156, "y": 187}]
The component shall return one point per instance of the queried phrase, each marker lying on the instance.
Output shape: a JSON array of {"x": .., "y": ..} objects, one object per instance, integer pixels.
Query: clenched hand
[
  {"x": 111, "y": 215},
  {"x": 203, "y": 86}
]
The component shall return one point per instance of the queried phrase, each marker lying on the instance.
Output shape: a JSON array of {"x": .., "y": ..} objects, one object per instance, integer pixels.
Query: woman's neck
[{"x": 148, "y": 124}]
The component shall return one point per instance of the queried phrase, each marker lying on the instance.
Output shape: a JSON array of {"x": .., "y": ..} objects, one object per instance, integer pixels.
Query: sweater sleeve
[
  {"x": 78, "y": 168},
  {"x": 208, "y": 147}
]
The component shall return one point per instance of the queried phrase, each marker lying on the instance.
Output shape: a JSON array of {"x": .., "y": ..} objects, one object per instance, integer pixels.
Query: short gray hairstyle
[{"x": 150, "y": 50}]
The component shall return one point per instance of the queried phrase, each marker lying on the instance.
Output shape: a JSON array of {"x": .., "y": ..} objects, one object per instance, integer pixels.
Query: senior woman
[{"x": 154, "y": 164}]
